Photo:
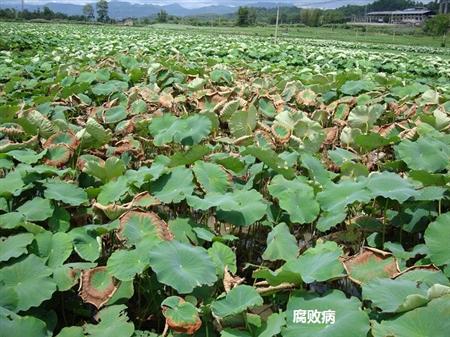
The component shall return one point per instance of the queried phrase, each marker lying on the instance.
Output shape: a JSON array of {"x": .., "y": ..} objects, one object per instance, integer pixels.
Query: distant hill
[{"x": 120, "y": 9}]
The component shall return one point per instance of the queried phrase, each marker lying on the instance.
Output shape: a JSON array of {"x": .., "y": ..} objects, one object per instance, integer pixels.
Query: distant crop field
[
  {"x": 384, "y": 35},
  {"x": 166, "y": 182}
]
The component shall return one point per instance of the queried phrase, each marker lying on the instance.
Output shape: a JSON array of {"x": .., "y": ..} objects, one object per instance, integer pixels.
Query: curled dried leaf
[{"x": 230, "y": 281}]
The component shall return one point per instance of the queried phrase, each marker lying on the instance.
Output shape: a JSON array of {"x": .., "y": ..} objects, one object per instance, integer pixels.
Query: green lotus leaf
[
  {"x": 125, "y": 264},
  {"x": 329, "y": 220},
  {"x": 279, "y": 276},
  {"x": 193, "y": 130},
  {"x": 65, "y": 192},
  {"x": 115, "y": 114},
  {"x": 175, "y": 186},
  {"x": 221, "y": 76},
  {"x": 230, "y": 163},
  {"x": 27, "y": 156},
  {"x": 426, "y": 276},
  {"x": 211, "y": 177},
  {"x": 113, "y": 191},
  {"x": 55, "y": 247},
  {"x": 12, "y": 220},
  {"x": 163, "y": 129},
  {"x": 296, "y": 197},
  {"x": 281, "y": 244},
  {"x": 411, "y": 90},
  {"x": 113, "y": 321},
  {"x": 430, "y": 193},
  {"x": 13, "y": 325},
  {"x": 364, "y": 117},
  {"x": 266, "y": 107},
  {"x": 339, "y": 156},
  {"x": 11, "y": 184},
  {"x": 355, "y": 87},
  {"x": 316, "y": 169},
  {"x": 14, "y": 245},
  {"x": 181, "y": 266},
  {"x": 188, "y": 131},
  {"x": 239, "y": 299},
  {"x": 318, "y": 264},
  {"x": 99, "y": 135},
  {"x": 271, "y": 159},
  {"x": 37, "y": 209},
  {"x": 349, "y": 319},
  {"x": 182, "y": 229},
  {"x": 242, "y": 123},
  {"x": 30, "y": 280},
  {"x": 196, "y": 84},
  {"x": 395, "y": 295},
  {"x": 310, "y": 133},
  {"x": 222, "y": 256},
  {"x": 86, "y": 243},
  {"x": 390, "y": 185},
  {"x": 71, "y": 331},
  {"x": 241, "y": 207},
  {"x": 108, "y": 88},
  {"x": 273, "y": 325},
  {"x": 335, "y": 197},
  {"x": 194, "y": 154},
  {"x": 234, "y": 333},
  {"x": 426, "y": 154},
  {"x": 430, "y": 320},
  {"x": 436, "y": 236},
  {"x": 106, "y": 171},
  {"x": 372, "y": 141}
]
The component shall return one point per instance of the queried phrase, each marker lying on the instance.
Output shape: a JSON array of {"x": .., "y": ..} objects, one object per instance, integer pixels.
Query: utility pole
[
  {"x": 276, "y": 23},
  {"x": 23, "y": 5}
]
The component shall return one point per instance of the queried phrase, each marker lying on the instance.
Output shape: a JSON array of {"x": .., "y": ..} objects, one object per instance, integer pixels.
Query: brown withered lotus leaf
[
  {"x": 263, "y": 138},
  {"x": 12, "y": 130},
  {"x": 306, "y": 97},
  {"x": 58, "y": 155},
  {"x": 184, "y": 327},
  {"x": 6, "y": 145},
  {"x": 331, "y": 135},
  {"x": 188, "y": 329},
  {"x": 281, "y": 133},
  {"x": 67, "y": 138},
  {"x": 97, "y": 296},
  {"x": 161, "y": 226},
  {"x": 166, "y": 100},
  {"x": 370, "y": 263}
]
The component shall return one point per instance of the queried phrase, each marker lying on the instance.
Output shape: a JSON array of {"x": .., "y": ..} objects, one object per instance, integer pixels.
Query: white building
[{"x": 408, "y": 16}]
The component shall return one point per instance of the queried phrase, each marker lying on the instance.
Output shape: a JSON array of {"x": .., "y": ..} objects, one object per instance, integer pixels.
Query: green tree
[
  {"x": 243, "y": 16},
  {"x": 102, "y": 11},
  {"x": 439, "y": 26},
  {"x": 88, "y": 12},
  {"x": 162, "y": 16}
]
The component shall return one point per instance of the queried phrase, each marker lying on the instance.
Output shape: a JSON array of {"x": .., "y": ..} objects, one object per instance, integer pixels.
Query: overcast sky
[{"x": 188, "y": 3}]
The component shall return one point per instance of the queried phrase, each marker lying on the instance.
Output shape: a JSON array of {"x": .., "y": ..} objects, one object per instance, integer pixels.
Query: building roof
[{"x": 409, "y": 11}]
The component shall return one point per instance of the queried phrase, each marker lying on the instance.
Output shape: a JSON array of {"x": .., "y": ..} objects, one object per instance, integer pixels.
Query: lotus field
[{"x": 157, "y": 183}]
